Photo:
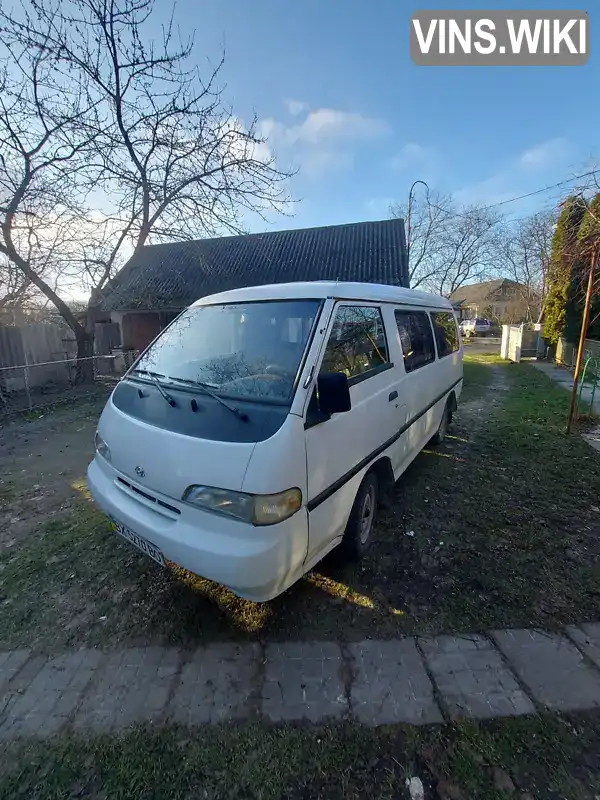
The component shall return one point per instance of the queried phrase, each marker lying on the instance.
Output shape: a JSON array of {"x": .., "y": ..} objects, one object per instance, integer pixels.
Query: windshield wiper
[
  {"x": 207, "y": 389},
  {"x": 154, "y": 376}
]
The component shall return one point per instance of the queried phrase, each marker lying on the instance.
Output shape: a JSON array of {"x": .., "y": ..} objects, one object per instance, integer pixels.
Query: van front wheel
[{"x": 359, "y": 529}]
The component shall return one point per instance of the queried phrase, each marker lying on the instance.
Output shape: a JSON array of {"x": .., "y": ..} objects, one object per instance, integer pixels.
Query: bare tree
[
  {"x": 44, "y": 143},
  {"x": 425, "y": 246},
  {"x": 524, "y": 254},
  {"x": 144, "y": 140},
  {"x": 15, "y": 289},
  {"x": 449, "y": 246}
]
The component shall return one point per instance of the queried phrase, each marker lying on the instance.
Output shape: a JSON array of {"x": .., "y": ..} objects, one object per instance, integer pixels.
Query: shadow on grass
[{"x": 78, "y": 583}]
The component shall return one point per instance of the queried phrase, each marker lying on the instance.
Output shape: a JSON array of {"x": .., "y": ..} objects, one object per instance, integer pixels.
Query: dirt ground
[{"x": 41, "y": 456}]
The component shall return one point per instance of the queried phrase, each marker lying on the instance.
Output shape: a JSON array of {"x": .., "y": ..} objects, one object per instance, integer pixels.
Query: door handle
[{"x": 393, "y": 396}]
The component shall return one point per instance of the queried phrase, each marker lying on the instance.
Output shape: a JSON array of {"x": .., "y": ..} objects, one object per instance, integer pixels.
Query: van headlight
[
  {"x": 257, "y": 509},
  {"x": 101, "y": 446}
]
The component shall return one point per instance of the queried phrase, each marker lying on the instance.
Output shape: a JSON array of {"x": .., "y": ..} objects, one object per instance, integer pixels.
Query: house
[
  {"x": 159, "y": 281},
  {"x": 500, "y": 301}
]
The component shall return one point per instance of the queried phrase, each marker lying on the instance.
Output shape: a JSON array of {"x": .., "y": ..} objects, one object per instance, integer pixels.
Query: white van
[{"x": 262, "y": 427}]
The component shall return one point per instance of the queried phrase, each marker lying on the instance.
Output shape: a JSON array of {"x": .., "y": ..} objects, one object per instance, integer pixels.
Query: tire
[
  {"x": 439, "y": 436},
  {"x": 359, "y": 530}
]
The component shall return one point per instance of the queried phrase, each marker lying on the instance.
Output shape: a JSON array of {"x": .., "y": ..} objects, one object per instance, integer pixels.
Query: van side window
[
  {"x": 357, "y": 342},
  {"x": 446, "y": 332},
  {"x": 416, "y": 338}
]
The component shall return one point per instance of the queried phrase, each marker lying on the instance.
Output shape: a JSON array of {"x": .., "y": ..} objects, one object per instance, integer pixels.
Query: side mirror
[{"x": 334, "y": 392}]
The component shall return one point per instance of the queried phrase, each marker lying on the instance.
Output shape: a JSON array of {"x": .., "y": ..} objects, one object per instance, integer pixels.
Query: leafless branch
[
  {"x": 449, "y": 246},
  {"x": 122, "y": 135},
  {"x": 524, "y": 255}
]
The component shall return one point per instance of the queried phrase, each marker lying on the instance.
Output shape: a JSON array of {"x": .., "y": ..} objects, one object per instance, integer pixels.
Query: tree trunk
[
  {"x": 84, "y": 372},
  {"x": 85, "y": 339}
]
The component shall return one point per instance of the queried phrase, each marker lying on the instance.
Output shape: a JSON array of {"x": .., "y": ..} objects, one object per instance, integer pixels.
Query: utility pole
[
  {"x": 582, "y": 337},
  {"x": 408, "y": 216}
]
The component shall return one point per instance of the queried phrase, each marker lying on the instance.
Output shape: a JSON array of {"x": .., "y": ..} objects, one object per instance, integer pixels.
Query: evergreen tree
[
  {"x": 589, "y": 240},
  {"x": 564, "y": 265}
]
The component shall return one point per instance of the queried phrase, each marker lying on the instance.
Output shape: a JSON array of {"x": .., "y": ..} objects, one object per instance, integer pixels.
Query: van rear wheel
[
  {"x": 439, "y": 436},
  {"x": 359, "y": 529}
]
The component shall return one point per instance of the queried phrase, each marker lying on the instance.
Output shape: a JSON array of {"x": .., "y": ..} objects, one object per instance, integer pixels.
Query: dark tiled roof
[{"x": 171, "y": 276}]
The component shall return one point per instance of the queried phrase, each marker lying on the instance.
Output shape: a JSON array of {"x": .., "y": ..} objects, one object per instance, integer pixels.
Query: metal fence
[
  {"x": 566, "y": 352},
  {"x": 27, "y": 387}
]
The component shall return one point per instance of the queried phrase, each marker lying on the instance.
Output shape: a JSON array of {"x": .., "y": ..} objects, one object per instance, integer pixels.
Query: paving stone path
[{"x": 416, "y": 680}]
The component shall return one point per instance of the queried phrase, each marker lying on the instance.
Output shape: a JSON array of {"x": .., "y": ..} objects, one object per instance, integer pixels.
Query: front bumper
[{"x": 257, "y": 563}]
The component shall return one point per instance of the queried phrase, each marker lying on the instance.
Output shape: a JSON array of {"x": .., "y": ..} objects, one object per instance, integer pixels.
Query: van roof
[{"x": 340, "y": 290}]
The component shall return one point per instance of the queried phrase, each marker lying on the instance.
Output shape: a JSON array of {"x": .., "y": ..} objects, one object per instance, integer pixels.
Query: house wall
[
  {"x": 139, "y": 328},
  {"x": 508, "y": 304},
  {"x": 515, "y": 310}
]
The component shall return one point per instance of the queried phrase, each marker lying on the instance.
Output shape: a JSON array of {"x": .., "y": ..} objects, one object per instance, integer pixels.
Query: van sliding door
[
  {"x": 422, "y": 384},
  {"x": 337, "y": 445}
]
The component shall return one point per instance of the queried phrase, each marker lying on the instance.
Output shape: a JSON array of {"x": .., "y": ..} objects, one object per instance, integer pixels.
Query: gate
[{"x": 518, "y": 342}]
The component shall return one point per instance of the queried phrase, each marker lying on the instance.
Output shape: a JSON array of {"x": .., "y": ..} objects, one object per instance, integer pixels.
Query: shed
[{"x": 160, "y": 280}]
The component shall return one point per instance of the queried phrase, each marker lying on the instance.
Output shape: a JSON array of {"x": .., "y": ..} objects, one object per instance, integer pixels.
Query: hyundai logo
[{"x": 140, "y": 472}]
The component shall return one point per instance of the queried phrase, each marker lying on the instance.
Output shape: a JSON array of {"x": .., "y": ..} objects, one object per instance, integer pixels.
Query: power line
[
  {"x": 540, "y": 191},
  {"x": 522, "y": 196}
]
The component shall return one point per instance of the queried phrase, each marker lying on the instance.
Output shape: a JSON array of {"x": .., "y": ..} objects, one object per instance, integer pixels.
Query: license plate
[{"x": 138, "y": 541}]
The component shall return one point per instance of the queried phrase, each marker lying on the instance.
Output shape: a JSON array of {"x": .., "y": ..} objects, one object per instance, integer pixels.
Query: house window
[
  {"x": 446, "y": 333},
  {"x": 357, "y": 343},
  {"x": 416, "y": 338}
]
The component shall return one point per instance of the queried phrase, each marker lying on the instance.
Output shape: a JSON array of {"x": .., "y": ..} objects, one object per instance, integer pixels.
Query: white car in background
[{"x": 476, "y": 327}]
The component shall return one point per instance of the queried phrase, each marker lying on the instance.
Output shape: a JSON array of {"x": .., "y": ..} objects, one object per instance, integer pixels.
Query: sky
[{"x": 338, "y": 97}]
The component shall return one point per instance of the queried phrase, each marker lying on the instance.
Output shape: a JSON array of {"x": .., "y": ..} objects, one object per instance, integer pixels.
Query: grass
[
  {"x": 505, "y": 532},
  {"x": 477, "y": 375},
  {"x": 529, "y": 506},
  {"x": 8, "y": 493},
  {"x": 545, "y": 757}
]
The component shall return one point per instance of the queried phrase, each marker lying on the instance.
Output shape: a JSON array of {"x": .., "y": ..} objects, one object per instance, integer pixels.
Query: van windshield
[{"x": 250, "y": 350}]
